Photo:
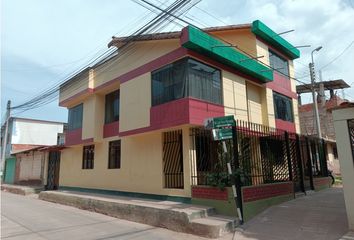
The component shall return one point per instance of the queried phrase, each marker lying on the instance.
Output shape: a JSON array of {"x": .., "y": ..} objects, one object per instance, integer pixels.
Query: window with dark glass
[
  {"x": 88, "y": 155},
  {"x": 114, "y": 154},
  {"x": 112, "y": 107},
  {"x": 283, "y": 107},
  {"x": 75, "y": 117},
  {"x": 278, "y": 63},
  {"x": 186, "y": 78}
]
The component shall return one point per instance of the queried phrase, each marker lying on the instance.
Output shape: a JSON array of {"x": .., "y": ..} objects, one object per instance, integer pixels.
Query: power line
[{"x": 339, "y": 55}]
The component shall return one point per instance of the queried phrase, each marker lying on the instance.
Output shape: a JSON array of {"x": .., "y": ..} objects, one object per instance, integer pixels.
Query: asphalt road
[
  {"x": 28, "y": 218},
  {"x": 319, "y": 216}
]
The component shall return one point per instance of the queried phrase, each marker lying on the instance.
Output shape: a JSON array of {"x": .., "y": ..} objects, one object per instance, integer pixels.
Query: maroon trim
[
  {"x": 282, "y": 85},
  {"x": 255, "y": 193},
  {"x": 111, "y": 129},
  {"x": 285, "y": 125},
  {"x": 85, "y": 91},
  {"x": 179, "y": 112},
  {"x": 184, "y": 35},
  {"x": 74, "y": 137},
  {"x": 209, "y": 193}
]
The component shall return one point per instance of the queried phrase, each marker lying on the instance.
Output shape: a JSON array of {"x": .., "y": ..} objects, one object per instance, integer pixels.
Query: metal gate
[
  {"x": 351, "y": 134},
  {"x": 53, "y": 170},
  {"x": 173, "y": 159}
]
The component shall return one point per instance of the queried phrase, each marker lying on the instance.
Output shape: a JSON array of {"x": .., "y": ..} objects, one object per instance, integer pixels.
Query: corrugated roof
[{"x": 117, "y": 41}]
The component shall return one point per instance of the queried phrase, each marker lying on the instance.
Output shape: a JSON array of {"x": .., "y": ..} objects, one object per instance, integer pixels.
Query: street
[{"x": 320, "y": 215}]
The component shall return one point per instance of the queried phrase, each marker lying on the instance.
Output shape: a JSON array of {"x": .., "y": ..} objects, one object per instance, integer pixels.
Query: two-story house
[{"x": 130, "y": 116}]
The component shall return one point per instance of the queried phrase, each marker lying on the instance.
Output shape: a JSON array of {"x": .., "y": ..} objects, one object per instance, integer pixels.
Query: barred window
[
  {"x": 88, "y": 157},
  {"x": 75, "y": 117},
  {"x": 186, "y": 78},
  {"x": 114, "y": 154},
  {"x": 279, "y": 63},
  {"x": 283, "y": 107},
  {"x": 112, "y": 107}
]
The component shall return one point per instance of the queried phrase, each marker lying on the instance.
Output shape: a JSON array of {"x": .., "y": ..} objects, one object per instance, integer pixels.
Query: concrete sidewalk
[
  {"x": 321, "y": 215},
  {"x": 176, "y": 216},
  {"x": 20, "y": 189}
]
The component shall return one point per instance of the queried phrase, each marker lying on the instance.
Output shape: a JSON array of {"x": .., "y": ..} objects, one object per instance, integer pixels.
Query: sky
[{"x": 42, "y": 41}]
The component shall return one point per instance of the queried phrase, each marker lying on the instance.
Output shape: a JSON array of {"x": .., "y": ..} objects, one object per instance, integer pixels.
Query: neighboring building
[
  {"x": 325, "y": 107},
  {"x": 343, "y": 117},
  {"x": 131, "y": 116},
  {"x": 25, "y": 136}
]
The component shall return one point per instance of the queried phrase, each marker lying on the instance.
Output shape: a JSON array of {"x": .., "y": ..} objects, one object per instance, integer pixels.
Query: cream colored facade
[
  {"x": 346, "y": 157},
  {"x": 141, "y": 153}
]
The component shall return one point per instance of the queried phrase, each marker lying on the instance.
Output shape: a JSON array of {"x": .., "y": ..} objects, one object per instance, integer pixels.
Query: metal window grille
[
  {"x": 173, "y": 159},
  {"x": 88, "y": 155},
  {"x": 114, "y": 157}
]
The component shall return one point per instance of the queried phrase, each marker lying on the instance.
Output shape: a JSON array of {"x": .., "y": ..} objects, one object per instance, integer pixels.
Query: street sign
[
  {"x": 222, "y": 134},
  {"x": 219, "y": 122}
]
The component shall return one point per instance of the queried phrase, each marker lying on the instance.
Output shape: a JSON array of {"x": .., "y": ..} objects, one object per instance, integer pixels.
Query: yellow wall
[
  {"x": 244, "y": 39},
  {"x": 234, "y": 92},
  {"x": 346, "y": 158},
  {"x": 268, "y": 115},
  {"x": 141, "y": 166},
  {"x": 296, "y": 115},
  {"x": 78, "y": 84},
  {"x": 254, "y": 96},
  {"x": 135, "y": 103},
  {"x": 262, "y": 50},
  {"x": 143, "y": 52}
]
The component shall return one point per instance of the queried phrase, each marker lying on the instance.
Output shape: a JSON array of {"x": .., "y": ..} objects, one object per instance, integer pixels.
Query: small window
[
  {"x": 112, "y": 107},
  {"x": 283, "y": 107},
  {"x": 88, "y": 157},
  {"x": 75, "y": 117},
  {"x": 114, "y": 154},
  {"x": 278, "y": 63}
]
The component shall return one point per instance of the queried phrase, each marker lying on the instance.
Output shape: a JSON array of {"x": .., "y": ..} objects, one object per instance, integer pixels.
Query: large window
[
  {"x": 283, "y": 107},
  {"x": 112, "y": 107},
  {"x": 75, "y": 117},
  {"x": 186, "y": 78},
  {"x": 114, "y": 154},
  {"x": 278, "y": 63},
  {"x": 88, "y": 155}
]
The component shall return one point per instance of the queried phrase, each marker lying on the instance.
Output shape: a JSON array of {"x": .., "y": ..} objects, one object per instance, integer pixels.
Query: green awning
[
  {"x": 208, "y": 45},
  {"x": 268, "y": 35}
]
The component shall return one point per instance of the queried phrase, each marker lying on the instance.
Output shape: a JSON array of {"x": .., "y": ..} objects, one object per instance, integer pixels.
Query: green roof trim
[
  {"x": 264, "y": 32},
  {"x": 205, "y": 44}
]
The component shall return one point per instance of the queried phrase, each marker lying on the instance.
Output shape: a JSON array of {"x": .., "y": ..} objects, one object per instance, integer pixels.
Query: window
[
  {"x": 279, "y": 63},
  {"x": 186, "y": 77},
  {"x": 75, "y": 117},
  {"x": 112, "y": 107},
  {"x": 114, "y": 154},
  {"x": 283, "y": 107},
  {"x": 88, "y": 155}
]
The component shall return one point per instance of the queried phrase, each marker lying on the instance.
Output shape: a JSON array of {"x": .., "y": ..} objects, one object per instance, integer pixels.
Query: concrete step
[
  {"x": 214, "y": 226},
  {"x": 188, "y": 218}
]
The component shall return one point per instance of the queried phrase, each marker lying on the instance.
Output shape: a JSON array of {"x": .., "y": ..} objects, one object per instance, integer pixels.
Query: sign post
[{"x": 224, "y": 128}]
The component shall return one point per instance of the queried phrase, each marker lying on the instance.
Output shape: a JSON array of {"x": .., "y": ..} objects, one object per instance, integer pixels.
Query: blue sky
[{"x": 44, "y": 41}]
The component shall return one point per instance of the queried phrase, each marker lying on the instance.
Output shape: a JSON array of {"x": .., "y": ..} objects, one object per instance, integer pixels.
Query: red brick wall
[
  {"x": 318, "y": 182},
  {"x": 255, "y": 193},
  {"x": 209, "y": 193}
]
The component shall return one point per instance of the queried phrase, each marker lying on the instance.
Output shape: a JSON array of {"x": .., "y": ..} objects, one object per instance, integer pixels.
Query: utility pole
[
  {"x": 313, "y": 80},
  {"x": 4, "y": 144}
]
